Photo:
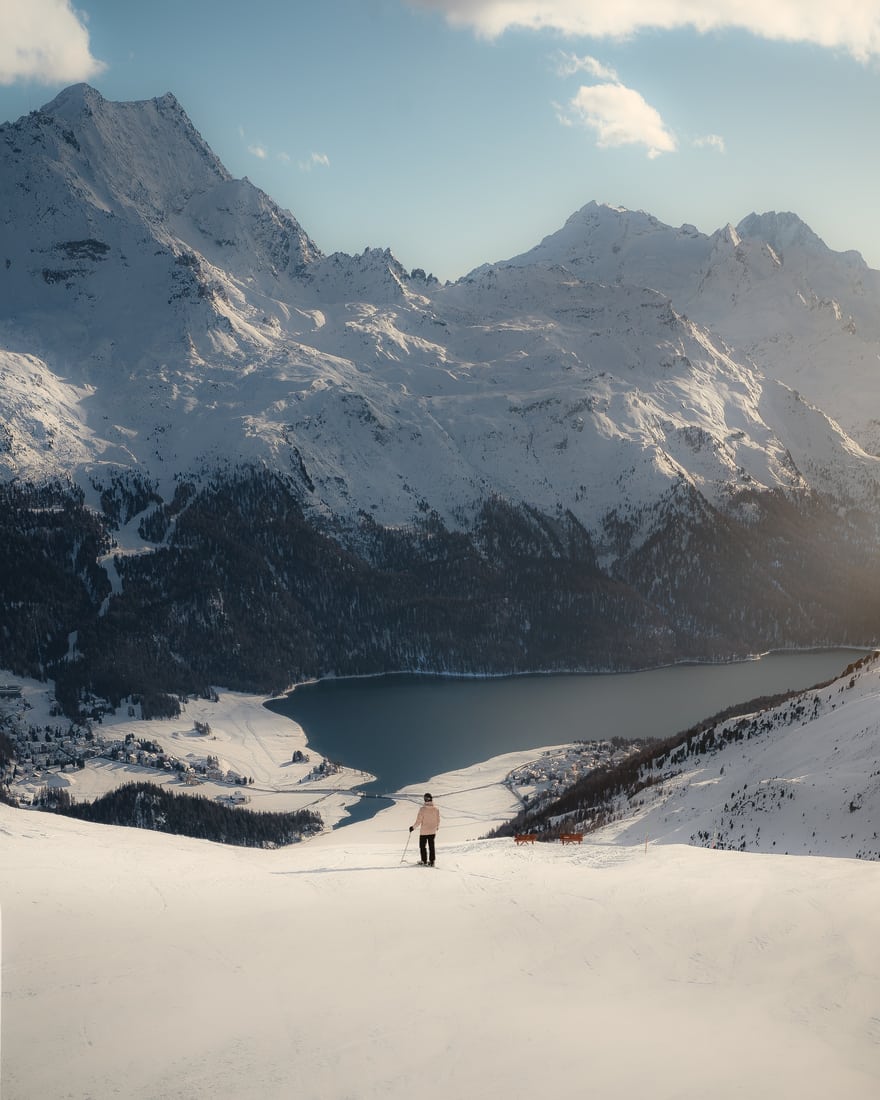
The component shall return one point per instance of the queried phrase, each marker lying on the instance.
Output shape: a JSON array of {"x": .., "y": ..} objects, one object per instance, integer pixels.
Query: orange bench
[
  {"x": 526, "y": 838},
  {"x": 571, "y": 838}
]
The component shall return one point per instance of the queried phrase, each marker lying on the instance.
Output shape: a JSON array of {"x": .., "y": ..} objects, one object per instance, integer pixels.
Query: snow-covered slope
[
  {"x": 770, "y": 288},
  {"x": 802, "y": 778},
  {"x": 182, "y": 322},
  {"x": 168, "y": 967}
]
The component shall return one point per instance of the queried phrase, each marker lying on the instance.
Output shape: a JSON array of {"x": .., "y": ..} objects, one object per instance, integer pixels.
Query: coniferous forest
[
  {"x": 246, "y": 590},
  {"x": 148, "y": 806}
]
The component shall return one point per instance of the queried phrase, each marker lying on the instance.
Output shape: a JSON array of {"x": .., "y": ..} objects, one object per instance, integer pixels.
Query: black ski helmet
[{"x": 428, "y": 798}]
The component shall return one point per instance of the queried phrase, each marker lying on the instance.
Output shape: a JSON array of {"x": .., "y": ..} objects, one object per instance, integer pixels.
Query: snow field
[
  {"x": 156, "y": 967},
  {"x": 163, "y": 967}
]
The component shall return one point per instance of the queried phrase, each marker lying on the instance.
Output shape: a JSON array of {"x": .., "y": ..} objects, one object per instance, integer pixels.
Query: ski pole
[{"x": 403, "y": 857}]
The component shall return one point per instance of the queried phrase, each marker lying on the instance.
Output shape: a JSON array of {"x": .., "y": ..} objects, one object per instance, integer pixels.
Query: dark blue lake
[{"x": 406, "y": 728}]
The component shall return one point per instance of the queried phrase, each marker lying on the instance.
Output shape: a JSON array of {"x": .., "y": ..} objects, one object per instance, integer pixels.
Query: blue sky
[{"x": 463, "y": 131}]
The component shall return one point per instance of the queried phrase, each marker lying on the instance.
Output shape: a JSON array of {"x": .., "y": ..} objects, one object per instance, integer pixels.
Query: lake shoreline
[
  {"x": 684, "y": 663},
  {"x": 404, "y": 727}
]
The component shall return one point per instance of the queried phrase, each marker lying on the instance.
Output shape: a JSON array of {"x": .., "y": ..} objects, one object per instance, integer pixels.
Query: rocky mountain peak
[
  {"x": 781, "y": 230},
  {"x": 75, "y": 101},
  {"x": 136, "y": 255}
]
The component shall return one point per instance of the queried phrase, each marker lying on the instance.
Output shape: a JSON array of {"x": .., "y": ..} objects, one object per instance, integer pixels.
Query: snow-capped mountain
[
  {"x": 631, "y": 391},
  {"x": 180, "y": 321},
  {"x": 770, "y": 288}
]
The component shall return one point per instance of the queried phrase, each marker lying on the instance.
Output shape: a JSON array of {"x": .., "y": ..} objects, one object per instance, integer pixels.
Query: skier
[{"x": 428, "y": 820}]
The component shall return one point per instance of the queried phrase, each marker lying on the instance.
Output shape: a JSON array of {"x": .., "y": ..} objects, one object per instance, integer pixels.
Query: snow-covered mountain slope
[
  {"x": 334, "y": 971},
  {"x": 184, "y": 323},
  {"x": 770, "y": 288},
  {"x": 801, "y": 778},
  {"x": 562, "y": 461},
  {"x": 334, "y": 968}
]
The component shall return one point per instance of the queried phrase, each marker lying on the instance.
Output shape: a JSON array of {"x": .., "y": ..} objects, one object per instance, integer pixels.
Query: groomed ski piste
[{"x": 637, "y": 964}]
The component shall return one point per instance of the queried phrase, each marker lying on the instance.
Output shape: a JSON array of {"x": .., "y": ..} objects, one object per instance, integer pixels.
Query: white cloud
[
  {"x": 45, "y": 41},
  {"x": 316, "y": 160},
  {"x": 619, "y": 116},
  {"x": 713, "y": 141},
  {"x": 569, "y": 63},
  {"x": 853, "y": 25},
  {"x": 263, "y": 152}
]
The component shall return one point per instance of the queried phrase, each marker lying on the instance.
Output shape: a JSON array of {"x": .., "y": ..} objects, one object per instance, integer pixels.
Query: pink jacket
[{"x": 428, "y": 819}]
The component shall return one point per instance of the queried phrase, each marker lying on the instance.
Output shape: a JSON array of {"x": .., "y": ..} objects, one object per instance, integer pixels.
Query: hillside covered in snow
[
  {"x": 689, "y": 946},
  {"x": 163, "y": 319},
  {"x": 801, "y": 777},
  {"x": 230, "y": 458}
]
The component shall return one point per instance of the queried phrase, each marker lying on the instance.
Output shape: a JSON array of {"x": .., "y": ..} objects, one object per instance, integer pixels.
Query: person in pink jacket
[{"x": 428, "y": 821}]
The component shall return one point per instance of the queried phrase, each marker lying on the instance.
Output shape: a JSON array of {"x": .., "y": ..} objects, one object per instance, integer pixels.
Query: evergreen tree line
[
  {"x": 7, "y": 749},
  {"x": 149, "y": 806},
  {"x": 246, "y": 590},
  {"x": 7, "y": 757},
  {"x": 50, "y": 580}
]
